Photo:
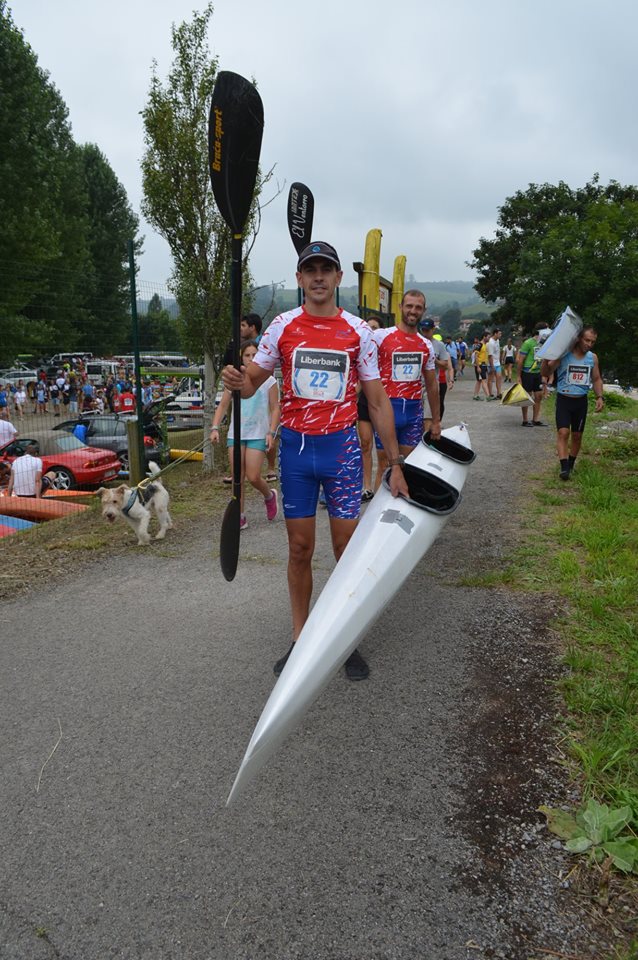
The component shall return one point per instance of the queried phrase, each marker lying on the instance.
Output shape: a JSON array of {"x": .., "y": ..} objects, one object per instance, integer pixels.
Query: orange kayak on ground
[
  {"x": 72, "y": 496},
  {"x": 39, "y": 508}
]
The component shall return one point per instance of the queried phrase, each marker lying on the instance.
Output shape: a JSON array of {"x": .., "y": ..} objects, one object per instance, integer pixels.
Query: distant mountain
[{"x": 440, "y": 296}]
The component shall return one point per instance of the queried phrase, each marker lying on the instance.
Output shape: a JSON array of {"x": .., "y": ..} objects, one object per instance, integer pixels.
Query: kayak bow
[{"x": 392, "y": 537}]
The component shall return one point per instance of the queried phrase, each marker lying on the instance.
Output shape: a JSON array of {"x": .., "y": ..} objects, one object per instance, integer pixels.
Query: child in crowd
[
  {"x": 259, "y": 421},
  {"x": 20, "y": 399}
]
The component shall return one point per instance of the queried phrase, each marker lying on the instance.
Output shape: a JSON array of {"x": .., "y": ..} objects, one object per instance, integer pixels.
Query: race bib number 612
[{"x": 320, "y": 374}]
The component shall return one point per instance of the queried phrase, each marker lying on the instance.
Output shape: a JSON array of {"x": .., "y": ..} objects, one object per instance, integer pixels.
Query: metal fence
[{"x": 68, "y": 390}]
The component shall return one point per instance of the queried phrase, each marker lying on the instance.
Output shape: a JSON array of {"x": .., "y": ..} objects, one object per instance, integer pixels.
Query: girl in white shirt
[{"x": 259, "y": 422}]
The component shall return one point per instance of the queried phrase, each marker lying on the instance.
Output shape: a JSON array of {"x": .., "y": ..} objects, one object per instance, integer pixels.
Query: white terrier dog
[{"x": 137, "y": 505}]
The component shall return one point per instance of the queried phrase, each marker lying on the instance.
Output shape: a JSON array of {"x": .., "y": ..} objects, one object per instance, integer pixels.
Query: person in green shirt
[{"x": 529, "y": 376}]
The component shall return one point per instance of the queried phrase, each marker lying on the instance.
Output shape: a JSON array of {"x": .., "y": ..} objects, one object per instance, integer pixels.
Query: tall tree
[
  {"x": 65, "y": 220},
  {"x": 112, "y": 224},
  {"x": 43, "y": 251},
  {"x": 158, "y": 330},
  {"x": 178, "y": 200},
  {"x": 556, "y": 246},
  {"x": 450, "y": 323}
]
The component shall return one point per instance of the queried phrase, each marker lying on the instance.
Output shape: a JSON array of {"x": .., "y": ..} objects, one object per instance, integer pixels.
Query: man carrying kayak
[
  {"x": 323, "y": 352},
  {"x": 576, "y": 373},
  {"x": 406, "y": 362}
]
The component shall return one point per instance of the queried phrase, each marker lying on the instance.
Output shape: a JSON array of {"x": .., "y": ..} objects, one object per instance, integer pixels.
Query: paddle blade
[
  {"x": 301, "y": 209},
  {"x": 235, "y": 128},
  {"x": 229, "y": 539}
]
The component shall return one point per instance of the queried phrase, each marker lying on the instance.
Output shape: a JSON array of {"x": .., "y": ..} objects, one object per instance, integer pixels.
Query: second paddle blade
[{"x": 229, "y": 539}]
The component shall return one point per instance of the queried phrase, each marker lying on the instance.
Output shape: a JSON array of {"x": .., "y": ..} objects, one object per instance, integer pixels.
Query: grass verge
[
  {"x": 584, "y": 549},
  {"x": 586, "y": 552},
  {"x": 51, "y": 551}
]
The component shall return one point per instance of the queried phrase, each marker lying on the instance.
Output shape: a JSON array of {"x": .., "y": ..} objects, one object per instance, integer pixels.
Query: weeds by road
[
  {"x": 52, "y": 550},
  {"x": 581, "y": 545}
]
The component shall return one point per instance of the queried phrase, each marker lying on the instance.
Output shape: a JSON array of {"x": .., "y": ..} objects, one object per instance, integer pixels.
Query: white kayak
[
  {"x": 391, "y": 538},
  {"x": 564, "y": 335}
]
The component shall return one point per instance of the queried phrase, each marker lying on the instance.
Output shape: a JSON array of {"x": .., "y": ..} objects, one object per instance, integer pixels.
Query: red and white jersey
[
  {"x": 403, "y": 359},
  {"x": 322, "y": 359}
]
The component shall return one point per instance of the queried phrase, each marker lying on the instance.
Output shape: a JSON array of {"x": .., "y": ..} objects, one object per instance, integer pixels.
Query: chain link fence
[{"x": 68, "y": 389}]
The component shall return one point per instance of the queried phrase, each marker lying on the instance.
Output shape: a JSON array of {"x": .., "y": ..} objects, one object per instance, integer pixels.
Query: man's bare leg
[
  {"x": 562, "y": 443},
  {"x": 301, "y": 547}
]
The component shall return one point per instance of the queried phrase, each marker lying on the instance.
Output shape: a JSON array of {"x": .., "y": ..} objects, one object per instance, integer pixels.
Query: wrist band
[{"x": 396, "y": 461}]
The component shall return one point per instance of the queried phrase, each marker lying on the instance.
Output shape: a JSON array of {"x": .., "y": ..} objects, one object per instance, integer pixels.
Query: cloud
[{"x": 418, "y": 118}]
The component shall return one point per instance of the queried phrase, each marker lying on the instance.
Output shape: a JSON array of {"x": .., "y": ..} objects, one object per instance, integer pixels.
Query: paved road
[{"x": 398, "y": 822}]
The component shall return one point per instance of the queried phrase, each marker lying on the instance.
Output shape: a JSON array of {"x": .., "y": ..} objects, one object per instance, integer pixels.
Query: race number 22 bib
[
  {"x": 320, "y": 374},
  {"x": 578, "y": 375},
  {"x": 406, "y": 367}
]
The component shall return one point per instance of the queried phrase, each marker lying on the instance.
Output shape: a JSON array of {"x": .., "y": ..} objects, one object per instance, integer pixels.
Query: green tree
[
  {"x": 43, "y": 241},
  {"x": 155, "y": 306},
  {"x": 65, "y": 220},
  {"x": 178, "y": 200},
  {"x": 179, "y": 203},
  {"x": 450, "y": 323},
  {"x": 556, "y": 246},
  {"x": 475, "y": 329},
  {"x": 158, "y": 330},
  {"x": 112, "y": 224}
]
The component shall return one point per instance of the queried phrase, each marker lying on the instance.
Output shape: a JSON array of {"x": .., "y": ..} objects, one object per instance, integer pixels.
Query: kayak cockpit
[{"x": 427, "y": 491}]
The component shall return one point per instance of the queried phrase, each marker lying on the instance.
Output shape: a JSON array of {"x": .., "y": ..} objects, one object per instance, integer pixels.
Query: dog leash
[{"x": 174, "y": 463}]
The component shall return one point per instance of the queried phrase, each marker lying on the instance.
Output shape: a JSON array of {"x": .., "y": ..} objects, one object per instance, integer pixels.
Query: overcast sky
[{"x": 416, "y": 116}]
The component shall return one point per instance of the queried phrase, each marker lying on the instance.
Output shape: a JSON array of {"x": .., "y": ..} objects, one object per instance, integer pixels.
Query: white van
[{"x": 98, "y": 371}]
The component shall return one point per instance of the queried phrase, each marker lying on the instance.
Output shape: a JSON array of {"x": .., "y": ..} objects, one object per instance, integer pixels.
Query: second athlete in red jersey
[{"x": 403, "y": 358}]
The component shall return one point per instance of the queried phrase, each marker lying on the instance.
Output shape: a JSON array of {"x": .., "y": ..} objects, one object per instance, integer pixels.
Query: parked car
[
  {"x": 189, "y": 399},
  {"x": 74, "y": 463},
  {"x": 20, "y": 372},
  {"x": 108, "y": 430}
]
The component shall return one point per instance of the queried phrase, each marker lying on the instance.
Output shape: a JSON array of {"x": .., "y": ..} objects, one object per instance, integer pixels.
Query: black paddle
[
  {"x": 235, "y": 128},
  {"x": 301, "y": 208}
]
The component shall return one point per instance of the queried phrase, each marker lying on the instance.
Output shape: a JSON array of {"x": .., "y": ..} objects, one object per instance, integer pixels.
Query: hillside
[{"x": 440, "y": 295}]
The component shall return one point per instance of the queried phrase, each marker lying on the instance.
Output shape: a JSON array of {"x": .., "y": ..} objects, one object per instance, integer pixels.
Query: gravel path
[{"x": 398, "y": 823}]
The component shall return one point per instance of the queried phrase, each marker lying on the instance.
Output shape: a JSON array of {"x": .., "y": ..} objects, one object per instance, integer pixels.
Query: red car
[{"x": 71, "y": 461}]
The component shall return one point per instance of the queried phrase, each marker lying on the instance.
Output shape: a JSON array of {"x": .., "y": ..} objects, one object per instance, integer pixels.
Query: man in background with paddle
[{"x": 324, "y": 352}]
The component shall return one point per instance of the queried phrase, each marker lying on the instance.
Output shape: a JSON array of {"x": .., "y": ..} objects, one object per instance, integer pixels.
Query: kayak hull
[
  {"x": 10, "y": 525},
  {"x": 563, "y": 336},
  {"x": 39, "y": 508},
  {"x": 186, "y": 455},
  {"x": 391, "y": 538},
  {"x": 70, "y": 496}
]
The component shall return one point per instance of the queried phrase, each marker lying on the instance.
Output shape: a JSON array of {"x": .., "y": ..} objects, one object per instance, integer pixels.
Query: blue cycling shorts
[
  {"x": 408, "y": 422},
  {"x": 331, "y": 460}
]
